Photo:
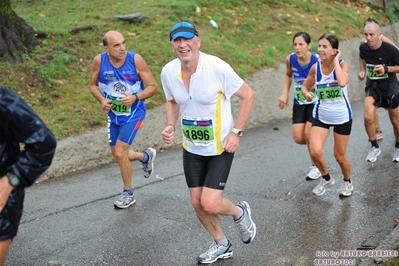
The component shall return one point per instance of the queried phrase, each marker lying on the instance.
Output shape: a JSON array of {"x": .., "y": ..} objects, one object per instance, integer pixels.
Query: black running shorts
[
  {"x": 343, "y": 129},
  {"x": 302, "y": 113},
  {"x": 207, "y": 171},
  {"x": 385, "y": 94}
]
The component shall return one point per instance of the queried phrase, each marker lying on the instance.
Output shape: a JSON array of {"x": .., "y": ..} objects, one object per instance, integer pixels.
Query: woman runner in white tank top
[{"x": 332, "y": 109}]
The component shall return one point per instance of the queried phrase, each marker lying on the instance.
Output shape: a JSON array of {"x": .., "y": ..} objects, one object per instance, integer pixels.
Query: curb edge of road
[{"x": 388, "y": 243}]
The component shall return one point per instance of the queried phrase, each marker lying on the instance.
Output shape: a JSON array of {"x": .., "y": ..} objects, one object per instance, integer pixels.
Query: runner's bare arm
[
  {"x": 106, "y": 104},
  {"x": 144, "y": 72}
]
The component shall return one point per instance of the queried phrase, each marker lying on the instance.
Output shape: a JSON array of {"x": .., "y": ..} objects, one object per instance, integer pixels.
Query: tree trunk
[{"x": 16, "y": 36}]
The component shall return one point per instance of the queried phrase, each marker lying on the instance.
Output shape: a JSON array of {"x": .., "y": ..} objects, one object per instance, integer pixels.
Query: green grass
[
  {"x": 253, "y": 35},
  {"x": 393, "y": 12},
  {"x": 393, "y": 261}
]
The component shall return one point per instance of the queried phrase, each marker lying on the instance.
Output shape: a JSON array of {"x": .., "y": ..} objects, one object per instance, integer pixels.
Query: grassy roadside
[
  {"x": 253, "y": 35},
  {"x": 393, "y": 261}
]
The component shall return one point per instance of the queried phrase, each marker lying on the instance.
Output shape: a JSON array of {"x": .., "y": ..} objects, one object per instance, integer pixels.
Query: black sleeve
[
  {"x": 395, "y": 55},
  {"x": 361, "y": 50},
  {"x": 26, "y": 127}
]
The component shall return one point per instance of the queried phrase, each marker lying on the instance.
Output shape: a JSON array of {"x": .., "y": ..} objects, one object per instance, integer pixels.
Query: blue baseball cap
[{"x": 183, "y": 29}]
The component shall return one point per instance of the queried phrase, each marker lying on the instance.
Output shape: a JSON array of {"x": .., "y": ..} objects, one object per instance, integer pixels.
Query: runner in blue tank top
[
  {"x": 298, "y": 65},
  {"x": 121, "y": 81}
]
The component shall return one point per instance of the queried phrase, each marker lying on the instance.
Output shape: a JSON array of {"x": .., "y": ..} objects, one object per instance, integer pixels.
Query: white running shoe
[
  {"x": 215, "y": 252},
  {"x": 373, "y": 153},
  {"x": 346, "y": 189},
  {"x": 321, "y": 187},
  {"x": 314, "y": 173},
  {"x": 379, "y": 136},
  {"x": 245, "y": 224},
  {"x": 395, "y": 158},
  {"x": 148, "y": 167},
  {"x": 125, "y": 200}
]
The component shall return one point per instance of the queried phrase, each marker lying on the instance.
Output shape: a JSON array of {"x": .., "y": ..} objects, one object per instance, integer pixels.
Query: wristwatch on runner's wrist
[
  {"x": 237, "y": 131},
  {"x": 13, "y": 179}
]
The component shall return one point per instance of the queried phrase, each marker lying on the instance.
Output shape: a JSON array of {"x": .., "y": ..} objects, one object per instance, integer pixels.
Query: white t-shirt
[{"x": 205, "y": 110}]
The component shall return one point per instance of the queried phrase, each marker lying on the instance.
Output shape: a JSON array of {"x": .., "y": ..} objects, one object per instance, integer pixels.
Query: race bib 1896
[{"x": 199, "y": 131}]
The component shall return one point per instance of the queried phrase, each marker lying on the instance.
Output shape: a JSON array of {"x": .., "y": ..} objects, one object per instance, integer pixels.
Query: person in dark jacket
[{"x": 27, "y": 148}]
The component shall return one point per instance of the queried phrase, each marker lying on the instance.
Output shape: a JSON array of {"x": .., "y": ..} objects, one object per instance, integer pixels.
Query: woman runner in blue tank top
[{"x": 298, "y": 65}]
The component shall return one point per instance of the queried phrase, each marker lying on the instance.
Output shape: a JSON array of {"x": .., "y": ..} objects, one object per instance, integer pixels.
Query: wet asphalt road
[{"x": 71, "y": 220}]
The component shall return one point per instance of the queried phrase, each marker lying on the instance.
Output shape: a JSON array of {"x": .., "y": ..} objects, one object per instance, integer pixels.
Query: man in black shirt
[
  {"x": 379, "y": 62},
  {"x": 27, "y": 148}
]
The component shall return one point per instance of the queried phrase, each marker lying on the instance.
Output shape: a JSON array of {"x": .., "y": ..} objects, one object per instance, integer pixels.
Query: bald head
[
  {"x": 372, "y": 34},
  {"x": 111, "y": 35},
  {"x": 114, "y": 45},
  {"x": 373, "y": 27}
]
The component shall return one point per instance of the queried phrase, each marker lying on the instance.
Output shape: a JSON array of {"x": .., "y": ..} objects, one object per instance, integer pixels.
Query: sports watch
[
  {"x": 237, "y": 131},
  {"x": 13, "y": 179}
]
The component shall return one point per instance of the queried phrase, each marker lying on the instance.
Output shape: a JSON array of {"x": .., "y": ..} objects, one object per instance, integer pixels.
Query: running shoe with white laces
[
  {"x": 321, "y": 187},
  {"x": 346, "y": 189},
  {"x": 125, "y": 200},
  {"x": 395, "y": 158},
  {"x": 215, "y": 252},
  {"x": 314, "y": 173},
  {"x": 148, "y": 167},
  {"x": 245, "y": 224},
  {"x": 373, "y": 153},
  {"x": 379, "y": 136}
]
